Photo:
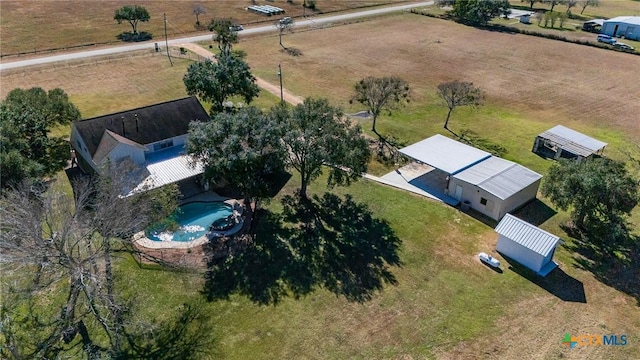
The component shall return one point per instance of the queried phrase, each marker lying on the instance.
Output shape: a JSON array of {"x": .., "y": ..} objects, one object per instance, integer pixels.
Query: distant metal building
[
  {"x": 527, "y": 244},
  {"x": 562, "y": 142},
  {"x": 627, "y": 27},
  {"x": 475, "y": 178}
]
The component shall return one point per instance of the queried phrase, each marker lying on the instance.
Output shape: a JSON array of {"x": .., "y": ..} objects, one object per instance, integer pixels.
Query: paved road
[{"x": 151, "y": 44}]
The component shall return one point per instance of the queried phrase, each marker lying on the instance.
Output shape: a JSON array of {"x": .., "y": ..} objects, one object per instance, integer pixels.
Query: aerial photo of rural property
[{"x": 320, "y": 179}]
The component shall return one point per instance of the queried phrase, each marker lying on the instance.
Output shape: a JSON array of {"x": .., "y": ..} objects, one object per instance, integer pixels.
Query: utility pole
[
  {"x": 166, "y": 40},
  {"x": 280, "y": 76}
]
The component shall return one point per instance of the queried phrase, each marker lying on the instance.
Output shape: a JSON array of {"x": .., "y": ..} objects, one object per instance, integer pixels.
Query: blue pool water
[{"x": 194, "y": 220}]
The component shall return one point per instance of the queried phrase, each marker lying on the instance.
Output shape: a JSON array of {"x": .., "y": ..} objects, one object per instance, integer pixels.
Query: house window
[
  {"x": 163, "y": 145},
  {"x": 483, "y": 201}
]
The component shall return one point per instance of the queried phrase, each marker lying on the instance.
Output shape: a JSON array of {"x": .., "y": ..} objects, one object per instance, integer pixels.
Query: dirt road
[{"x": 274, "y": 89}]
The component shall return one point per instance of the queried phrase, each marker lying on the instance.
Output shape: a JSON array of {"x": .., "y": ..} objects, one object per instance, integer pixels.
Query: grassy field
[
  {"x": 75, "y": 22},
  {"x": 446, "y": 304}
]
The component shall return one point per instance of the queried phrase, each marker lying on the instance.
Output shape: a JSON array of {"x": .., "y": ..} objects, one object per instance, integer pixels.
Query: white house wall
[
  {"x": 81, "y": 148},
  {"x": 123, "y": 151},
  {"x": 519, "y": 253},
  {"x": 177, "y": 141}
]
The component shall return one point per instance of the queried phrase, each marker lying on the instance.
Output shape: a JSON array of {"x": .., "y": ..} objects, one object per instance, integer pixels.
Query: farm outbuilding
[
  {"x": 527, "y": 244},
  {"x": 627, "y": 27},
  {"x": 562, "y": 142},
  {"x": 475, "y": 178}
]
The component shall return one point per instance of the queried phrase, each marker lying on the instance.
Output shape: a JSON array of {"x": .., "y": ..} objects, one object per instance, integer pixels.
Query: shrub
[{"x": 128, "y": 36}]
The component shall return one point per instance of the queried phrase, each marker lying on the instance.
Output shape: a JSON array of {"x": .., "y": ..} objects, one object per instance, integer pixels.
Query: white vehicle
[
  {"x": 606, "y": 39},
  {"x": 489, "y": 260}
]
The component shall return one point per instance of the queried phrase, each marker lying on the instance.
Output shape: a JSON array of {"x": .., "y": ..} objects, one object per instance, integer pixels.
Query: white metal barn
[
  {"x": 495, "y": 186},
  {"x": 627, "y": 27},
  {"x": 490, "y": 185},
  {"x": 527, "y": 244}
]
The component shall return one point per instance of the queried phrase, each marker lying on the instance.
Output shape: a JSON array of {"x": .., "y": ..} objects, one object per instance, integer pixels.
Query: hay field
[{"x": 44, "y": 24}]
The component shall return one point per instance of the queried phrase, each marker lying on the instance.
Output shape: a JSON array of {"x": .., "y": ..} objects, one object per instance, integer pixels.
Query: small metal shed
[{"x": 527, "y": 244}]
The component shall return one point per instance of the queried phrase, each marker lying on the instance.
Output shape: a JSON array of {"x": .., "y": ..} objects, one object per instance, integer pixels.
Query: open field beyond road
[
  {"x": 530, "y": 83},
  {"x": 446, "y": 304},
  {"x": 44, "y": 24}
]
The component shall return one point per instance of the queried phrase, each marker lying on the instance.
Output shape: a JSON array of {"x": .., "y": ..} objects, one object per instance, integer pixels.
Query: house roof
[
  {"x": 445, "y": 154},
  {"x": 499, "y": 177},
  {"x": 527, "y": 235},
  {"x": 143, "y": 125},
  {"x": 633, "y": 20},
  {"x": 573, "y": 141}
]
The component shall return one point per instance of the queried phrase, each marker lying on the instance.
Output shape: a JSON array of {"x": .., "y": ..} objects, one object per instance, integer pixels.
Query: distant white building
[
  {"x": 627, "y": 27},
  {"x": 527, "y": 244}
]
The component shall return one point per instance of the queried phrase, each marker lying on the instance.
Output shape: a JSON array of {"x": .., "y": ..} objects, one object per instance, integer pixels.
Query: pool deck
[{"x": 141, "y": 239}]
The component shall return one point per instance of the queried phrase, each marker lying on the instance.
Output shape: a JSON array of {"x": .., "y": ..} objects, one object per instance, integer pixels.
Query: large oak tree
[
  {"x": 600, "y": 193},
  {"x": 379, "y": 94},
  {"x": 27, "y": 151},
  {"x": 318, "y": 135},
  {"x": 215, "y": 82}
]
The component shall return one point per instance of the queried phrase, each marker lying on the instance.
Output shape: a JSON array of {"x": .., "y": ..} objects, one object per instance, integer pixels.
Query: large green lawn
[{"x": 446, "y": 304}]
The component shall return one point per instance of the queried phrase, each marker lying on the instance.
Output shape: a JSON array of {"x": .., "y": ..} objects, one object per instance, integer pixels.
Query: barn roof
[
  {"x": 499, "y": 177},
  {"x": 633, "y": 20},
  {"x": 143, "y": 125},
  {"x": 445, "y": 154},
  {"x": 527, "y": 235},
  {"x": 573, "y": 141}
]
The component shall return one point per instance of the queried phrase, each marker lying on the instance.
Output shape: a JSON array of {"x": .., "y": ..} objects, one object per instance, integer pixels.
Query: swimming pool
[{"x": 194, "y": 220}]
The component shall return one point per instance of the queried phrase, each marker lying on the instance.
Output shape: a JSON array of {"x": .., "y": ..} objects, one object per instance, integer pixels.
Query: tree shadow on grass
[
  {"x": 618, "y": 268},
  {"x": 325, "y": 242},
  {"x": 188, "y": 335},
  {"x": 535, "y": 212},
  {"x": 558, "y": 283}
]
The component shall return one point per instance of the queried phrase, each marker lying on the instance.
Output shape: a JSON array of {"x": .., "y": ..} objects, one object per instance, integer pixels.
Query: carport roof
[
  {"x": 445, "y": 154},
  {"x": 527, "y": 235}
]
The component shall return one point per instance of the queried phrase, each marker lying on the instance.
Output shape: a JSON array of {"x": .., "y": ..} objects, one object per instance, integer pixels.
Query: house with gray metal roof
[
  {"x": 472, "y": 177},
  {"x": 527, "y": 244},
  {"x": 153, "y": 138},
  {"x": 562, "y": 142}
]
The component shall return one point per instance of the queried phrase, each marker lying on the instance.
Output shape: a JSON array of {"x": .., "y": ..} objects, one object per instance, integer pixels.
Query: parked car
[
  {"x": 489, "y": 260},
  {"x": 236, "y": 27},
  {"x": 623, "y": 46},
  {"x": 606, "y": 39}
]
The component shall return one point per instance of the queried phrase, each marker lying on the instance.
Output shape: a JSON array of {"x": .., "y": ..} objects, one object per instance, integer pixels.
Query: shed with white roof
[{"x": 527, "y": 244}]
